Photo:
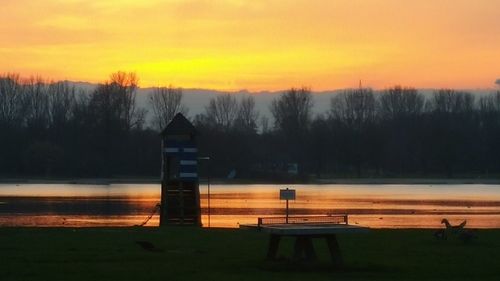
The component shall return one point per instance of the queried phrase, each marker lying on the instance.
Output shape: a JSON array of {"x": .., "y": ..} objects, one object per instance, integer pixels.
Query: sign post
[{"x": 287, "y": 194}]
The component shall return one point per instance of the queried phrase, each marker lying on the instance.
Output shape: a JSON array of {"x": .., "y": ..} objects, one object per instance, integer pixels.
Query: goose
[{"x": 454, "y": 227}]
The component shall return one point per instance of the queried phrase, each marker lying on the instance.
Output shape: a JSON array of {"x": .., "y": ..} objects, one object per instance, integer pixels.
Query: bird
[
  {"x": 454, "y": 228},
  {"x": 148, "y": 246}
]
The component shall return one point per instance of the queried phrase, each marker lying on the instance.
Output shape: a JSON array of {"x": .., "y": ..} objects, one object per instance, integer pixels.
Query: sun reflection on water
[{"x": 393, "y": 206}]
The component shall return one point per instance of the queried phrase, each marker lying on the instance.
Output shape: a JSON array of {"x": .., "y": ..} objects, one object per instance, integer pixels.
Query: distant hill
[{"x": 197, "y": 99}]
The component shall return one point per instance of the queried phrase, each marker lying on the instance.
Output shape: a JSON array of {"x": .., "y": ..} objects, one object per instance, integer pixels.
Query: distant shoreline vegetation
[{"x": 56, "y": 130}]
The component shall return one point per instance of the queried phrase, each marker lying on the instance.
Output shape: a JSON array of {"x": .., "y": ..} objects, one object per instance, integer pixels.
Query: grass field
[{"x": 187, "y": 253}]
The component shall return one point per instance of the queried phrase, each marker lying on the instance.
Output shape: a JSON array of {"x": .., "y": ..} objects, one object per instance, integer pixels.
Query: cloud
[{"x": 498, "y": 82}]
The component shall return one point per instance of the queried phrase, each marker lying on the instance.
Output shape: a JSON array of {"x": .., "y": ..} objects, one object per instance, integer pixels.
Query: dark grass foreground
[{"x": 184, "y": 253}]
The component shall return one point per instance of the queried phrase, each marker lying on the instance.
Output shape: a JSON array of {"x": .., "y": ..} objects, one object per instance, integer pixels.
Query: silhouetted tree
[
  {"x": 354, "y": 111},
  {"x": 264, "y": 124},
  {"x": 62, "y": 98},
  {"x": 399, "y": 102},
  {"x": 54, "y": 129},
  {"x": 354, "y": 108},
  {"x": 114, "y": 114},
  {"x": 13, "y": 104},
  {"x": 222, "y": 111},
  {"x": 247, "y": 116},
  {"x": 292, "y": 111},
  {"x": 322, "y": 145},
  {"x": 452, "y": 125},
  {"x": 114, "y": 103},
  {"x": 165, "y": 104},
  {"x": 400, "y": 110},
  {"x": 449, "y": 101},
  {"x": 13, "y": 111},
  {"x": 37, "y": 113}
]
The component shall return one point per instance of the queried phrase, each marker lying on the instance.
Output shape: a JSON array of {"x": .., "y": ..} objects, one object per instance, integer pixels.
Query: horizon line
[{"x": 238, "y": 91}]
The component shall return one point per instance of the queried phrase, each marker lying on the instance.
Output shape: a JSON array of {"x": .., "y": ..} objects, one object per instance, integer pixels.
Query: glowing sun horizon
[{"x": 256, "y": 45}]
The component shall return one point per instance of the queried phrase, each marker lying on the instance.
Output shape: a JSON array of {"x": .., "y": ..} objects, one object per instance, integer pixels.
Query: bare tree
[
  {"x": 451, "y": 101},
  {"x": 264, "y": 125},
  {"x": 452, "y": 123},
  {"x": 355, "y": 111},
  {"x": 222, "y": 111},
  {"x": 247, "y": 115},
  {"x": 62, "y": 99},
  {"x": 114, "y": 101},
  {"x": 166, "y": 103},
  {"x": 354, "y": 108},
  {"x": 292, "y": 119},
  {"x": 490, "y": 103},
  {"x": 127, "y": 86},
  {"x": 81, "y": 112},
  {"x": 400, "y": 102},
  {"x": 13, "y": 103},
  {"x": 37, "y": 101},
  {"x": 292, "y": 110}
]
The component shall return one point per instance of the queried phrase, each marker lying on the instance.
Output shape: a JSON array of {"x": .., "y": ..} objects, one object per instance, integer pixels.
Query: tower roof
[{"x": 179, "y": 125}]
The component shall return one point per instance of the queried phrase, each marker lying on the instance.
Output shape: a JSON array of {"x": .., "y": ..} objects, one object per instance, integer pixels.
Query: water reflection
[{"x": 395, "y": 206}]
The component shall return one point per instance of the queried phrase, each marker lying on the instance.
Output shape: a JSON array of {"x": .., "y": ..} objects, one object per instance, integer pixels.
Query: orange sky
[{"x": 256, "y": 45}]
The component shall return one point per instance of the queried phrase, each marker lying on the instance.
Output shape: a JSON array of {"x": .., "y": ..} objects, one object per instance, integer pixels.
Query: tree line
[{"x": 53, "y": 129}]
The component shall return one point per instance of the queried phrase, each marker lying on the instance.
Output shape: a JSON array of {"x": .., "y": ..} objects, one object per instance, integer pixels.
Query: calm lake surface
[{"x": 374, "y": 205}]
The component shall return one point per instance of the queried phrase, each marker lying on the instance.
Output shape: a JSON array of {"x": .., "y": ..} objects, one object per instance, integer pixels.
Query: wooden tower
[{"x": 180, "y": 193}]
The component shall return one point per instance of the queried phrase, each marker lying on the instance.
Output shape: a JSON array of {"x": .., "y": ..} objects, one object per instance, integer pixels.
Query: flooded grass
[{"x": 374, "y": 205}]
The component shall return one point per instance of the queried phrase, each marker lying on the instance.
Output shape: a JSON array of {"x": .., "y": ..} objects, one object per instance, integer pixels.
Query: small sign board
[{"x": 287, "y": 194}]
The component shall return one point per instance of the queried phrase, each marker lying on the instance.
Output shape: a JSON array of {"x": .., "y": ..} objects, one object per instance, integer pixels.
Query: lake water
[{"x": 374, "y": 205}]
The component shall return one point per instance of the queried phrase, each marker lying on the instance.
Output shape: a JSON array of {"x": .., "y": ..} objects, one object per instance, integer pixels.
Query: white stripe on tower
[{"x": 188, "y": 175}]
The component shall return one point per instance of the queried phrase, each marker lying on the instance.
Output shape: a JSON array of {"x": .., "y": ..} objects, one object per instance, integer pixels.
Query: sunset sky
[{"x": 256, "y": 45}]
